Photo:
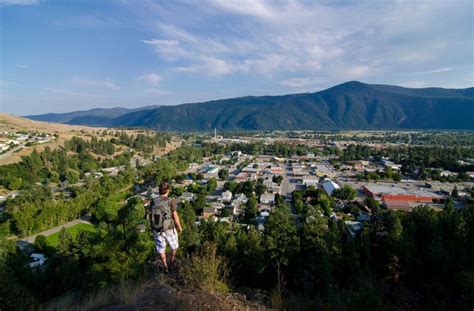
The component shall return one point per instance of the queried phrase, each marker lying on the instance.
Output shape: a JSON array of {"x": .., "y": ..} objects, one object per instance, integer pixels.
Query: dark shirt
[{"x": 174, "y": 205}]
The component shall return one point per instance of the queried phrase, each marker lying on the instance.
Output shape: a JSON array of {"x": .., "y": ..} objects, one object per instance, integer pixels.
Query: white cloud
[
  {"x": 151, "y": 79},
  {"x": 211, "y": 66},
  {"x": 256, "y": 8},
  {"x": 170, "y": 50},
  {"x": 303, "y": 83},
  {"x": 104, "y": 83},
  {"x": 22, "y": 66},
  {"x": 438, "y": 70},
  {"x": 353, "y": 40}
]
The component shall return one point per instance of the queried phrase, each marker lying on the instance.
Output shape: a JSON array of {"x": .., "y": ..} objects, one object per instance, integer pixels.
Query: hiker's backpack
[{"x": 160, "y": 215}]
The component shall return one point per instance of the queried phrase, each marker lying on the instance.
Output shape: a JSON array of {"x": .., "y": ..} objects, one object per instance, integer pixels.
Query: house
[
  {"x": 267, "y": 198},
  {"x": 212, "y": 169},
  {"x": 363, "y": 216},
  {"x": 38, "y": 260},
  {"x": 251, "y": 170},
  {"x": 446, "y": 173},
  {"x": 277, "y": 170},
  {"x": 329, "y": 186},
  {"x": 391, "y": 164},
  {"x": 310, "y": 181},
  {"x": 113, "y": 171},
  {"x": 217, "y": 205},
  {"x": 241, "y": 177},
  {"x": 271, "y": 186},
  {"x": 245, "y": 177},
  {"x": 226, "y": 196},
  {"x": 261, "y": 220},
  {"x": 242, "y": 198},
  {"x": 325, "y": 170},
  {"x": 208, "y": 212},
  {"x": 353, "y": 227},
  {"x": 94, "y": 174},
  {"x": 238, "y": 203},
  {"x": 187, "y": 197}
]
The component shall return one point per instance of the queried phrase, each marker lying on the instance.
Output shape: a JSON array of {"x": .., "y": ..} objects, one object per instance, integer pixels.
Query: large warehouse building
[{"x": 396, "y": 193}]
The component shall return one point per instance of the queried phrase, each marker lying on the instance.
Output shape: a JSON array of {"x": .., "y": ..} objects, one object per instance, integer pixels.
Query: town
[
  {"x": 258, "y": 191},
  {"x": 274, "y": 178}
]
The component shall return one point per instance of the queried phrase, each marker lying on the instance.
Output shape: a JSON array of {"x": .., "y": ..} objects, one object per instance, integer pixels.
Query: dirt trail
[{"x": 170, "y": 298}]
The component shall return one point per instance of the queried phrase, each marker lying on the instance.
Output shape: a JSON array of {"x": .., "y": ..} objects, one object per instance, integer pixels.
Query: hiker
[{"x": 164, "y": 222}]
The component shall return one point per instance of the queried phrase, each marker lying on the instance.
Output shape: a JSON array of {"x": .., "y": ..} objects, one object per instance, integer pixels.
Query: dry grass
[
  {"x": 126, "y": 293},
  {"x": 205, "y": 270},
  {"x": 66, "y": 132}
]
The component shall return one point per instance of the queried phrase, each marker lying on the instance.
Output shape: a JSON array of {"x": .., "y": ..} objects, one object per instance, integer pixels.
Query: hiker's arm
[{"x": 176, "y": 221}]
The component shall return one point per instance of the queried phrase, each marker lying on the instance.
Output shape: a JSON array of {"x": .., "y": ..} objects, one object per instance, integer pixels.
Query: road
[
  {"x": 31, "y": 239},
  {"x": 287, "y": 186},
  {"x": 10, "y": 152}
]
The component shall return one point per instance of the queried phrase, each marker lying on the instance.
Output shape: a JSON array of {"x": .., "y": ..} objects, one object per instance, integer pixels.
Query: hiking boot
[
  {"x": 175, "y": 265},
  {"x": 172, "y": 266},
  {"x": 165, "y": 270}
]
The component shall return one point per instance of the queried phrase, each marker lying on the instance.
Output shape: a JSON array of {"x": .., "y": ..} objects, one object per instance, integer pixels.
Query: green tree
[
  {"x": 346, "y": 193},
  {"x": 455, "y": 192},
  {"x": 223, "y": 174},
  {"x": 281, "y": 237},
  {"x": 251, "y": 208}
]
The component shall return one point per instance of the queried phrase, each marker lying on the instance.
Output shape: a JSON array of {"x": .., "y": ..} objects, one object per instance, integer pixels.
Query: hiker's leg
[
  {"x": 173, "y": 255},
  {"x": 160, "y": 244},
  {"x": 163, "y": 259},
  {"x": 172, "y": 239}
]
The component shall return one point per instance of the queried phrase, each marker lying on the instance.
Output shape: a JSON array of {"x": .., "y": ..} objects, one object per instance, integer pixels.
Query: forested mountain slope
[
  {"x": 93, "y": 117},
  {"x": 351, "y": 105}
]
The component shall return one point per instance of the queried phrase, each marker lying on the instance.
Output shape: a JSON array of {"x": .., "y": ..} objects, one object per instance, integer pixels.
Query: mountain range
[
  {"x": 351, "y": 105},
  {"x": 102, "y": 117}
]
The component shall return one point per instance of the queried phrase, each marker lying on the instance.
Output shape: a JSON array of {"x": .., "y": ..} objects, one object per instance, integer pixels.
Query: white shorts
[{"x": 168, "y": 236}]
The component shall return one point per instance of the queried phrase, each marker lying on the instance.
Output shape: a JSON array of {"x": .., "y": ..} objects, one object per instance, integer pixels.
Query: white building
[
  {"x": 310, "y": 181},
  {"x": 212, "y": 170},
  {"x": 267, "y": 198},
  {"x": 187, "y": 197},
  {"x": 226, "y": 196},
  {"x": 242, "y": 198},
  {"x": 37, "y": 260},
  {"x": 329, "y": 186},
  {"x": 217, "y": 205}
]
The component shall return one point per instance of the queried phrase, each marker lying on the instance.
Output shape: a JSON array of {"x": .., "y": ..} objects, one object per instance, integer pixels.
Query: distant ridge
[
  {"x": 351, "y": 105},
  {"x": 102, "y": 117}
]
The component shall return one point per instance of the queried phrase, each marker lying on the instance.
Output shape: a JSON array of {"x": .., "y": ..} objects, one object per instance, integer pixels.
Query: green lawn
[{"x": 53, "y": 239}]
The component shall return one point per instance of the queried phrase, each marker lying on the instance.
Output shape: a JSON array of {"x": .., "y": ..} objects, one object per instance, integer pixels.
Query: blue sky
[{"x": 59, "y": 56}]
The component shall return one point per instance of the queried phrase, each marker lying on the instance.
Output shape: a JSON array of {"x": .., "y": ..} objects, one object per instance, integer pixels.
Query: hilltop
[
  {"x": 10, "y": 123},
  {"x": 351, "y": 105}
]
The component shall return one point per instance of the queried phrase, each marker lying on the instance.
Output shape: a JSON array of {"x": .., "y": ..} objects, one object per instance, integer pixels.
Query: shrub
[{"x": 206, "y": 270}]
